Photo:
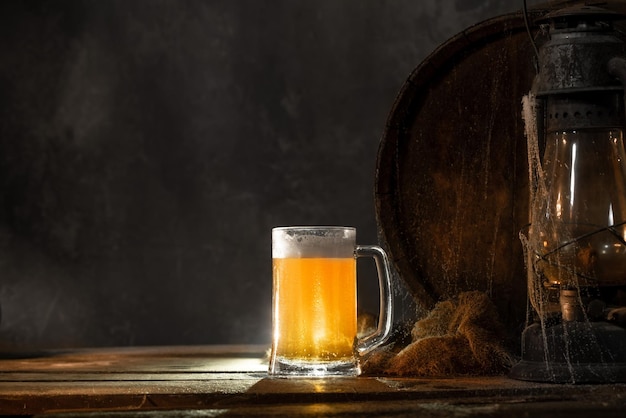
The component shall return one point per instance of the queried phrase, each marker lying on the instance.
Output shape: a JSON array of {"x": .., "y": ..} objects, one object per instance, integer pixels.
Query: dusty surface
[{"x": 222, "y": 380}]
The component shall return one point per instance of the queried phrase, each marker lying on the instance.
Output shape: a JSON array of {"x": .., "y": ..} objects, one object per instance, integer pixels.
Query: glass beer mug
[{"x": 314, "y": 301}]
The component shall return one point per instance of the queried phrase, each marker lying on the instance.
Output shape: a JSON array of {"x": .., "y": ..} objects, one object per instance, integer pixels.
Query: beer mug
[{"x": 314, "y": 316}]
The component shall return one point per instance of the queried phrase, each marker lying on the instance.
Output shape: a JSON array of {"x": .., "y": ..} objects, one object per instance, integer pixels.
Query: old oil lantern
[{"x": 576, "y": 242}]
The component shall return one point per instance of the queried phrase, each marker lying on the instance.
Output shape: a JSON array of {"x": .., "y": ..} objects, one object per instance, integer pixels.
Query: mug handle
[{"x": 385, "y": 317}]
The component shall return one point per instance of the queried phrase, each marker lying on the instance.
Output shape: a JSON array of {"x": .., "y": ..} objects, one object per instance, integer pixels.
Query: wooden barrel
[{"x": 452, "y": 173}]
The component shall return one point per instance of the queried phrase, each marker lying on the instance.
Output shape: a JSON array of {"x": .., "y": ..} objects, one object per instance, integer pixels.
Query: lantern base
[{"x": 573, "y": 352}]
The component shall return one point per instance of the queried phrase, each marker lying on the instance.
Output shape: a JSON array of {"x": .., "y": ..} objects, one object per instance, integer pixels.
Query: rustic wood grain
[{"x": 233, "y": 380}]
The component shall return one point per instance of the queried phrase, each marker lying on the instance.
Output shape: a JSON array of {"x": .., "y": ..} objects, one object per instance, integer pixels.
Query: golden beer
[
  {"x": 315, "y": 308},
  {"x": 314, "y": 301}
]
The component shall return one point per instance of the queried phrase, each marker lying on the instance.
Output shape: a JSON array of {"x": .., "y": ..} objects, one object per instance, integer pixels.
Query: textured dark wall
[{"x": 147, "y": 147}]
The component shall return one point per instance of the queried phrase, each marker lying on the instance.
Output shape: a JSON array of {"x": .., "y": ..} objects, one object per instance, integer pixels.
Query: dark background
[{"x": 147, "y": 147}]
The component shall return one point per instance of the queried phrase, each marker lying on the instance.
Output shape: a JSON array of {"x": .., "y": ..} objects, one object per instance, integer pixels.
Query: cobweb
[
  {"x": 537, "y": 297},
  {"x": 546, "y": 309},
  {"x": 537, "y": 195}
]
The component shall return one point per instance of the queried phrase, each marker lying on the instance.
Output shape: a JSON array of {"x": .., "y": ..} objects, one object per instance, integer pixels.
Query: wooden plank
[
  {"x": 120, "y": 376},
  {"x": 213, "y": 378},
  {"x": 247, "y": 394},
  {"x": 140, "y": 359}
]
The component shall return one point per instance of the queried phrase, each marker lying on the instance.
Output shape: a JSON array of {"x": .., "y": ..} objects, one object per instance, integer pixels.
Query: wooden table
[{"x": 231, "y": 380}]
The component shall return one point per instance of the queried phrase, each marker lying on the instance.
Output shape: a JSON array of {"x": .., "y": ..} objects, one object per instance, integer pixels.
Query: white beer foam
[{"x": 313, "y": 241}]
